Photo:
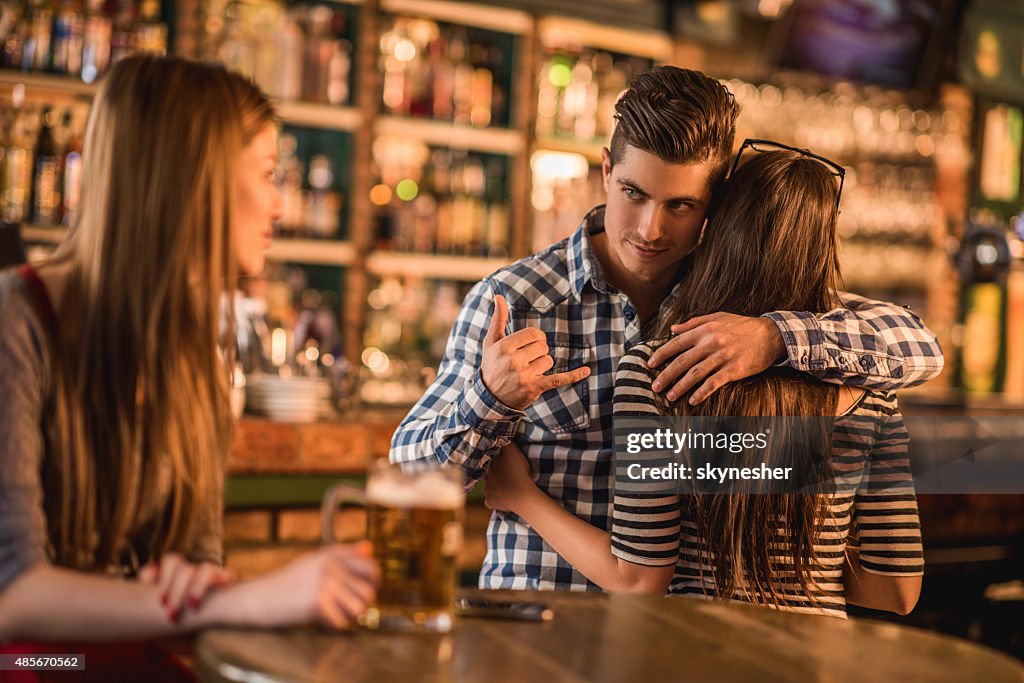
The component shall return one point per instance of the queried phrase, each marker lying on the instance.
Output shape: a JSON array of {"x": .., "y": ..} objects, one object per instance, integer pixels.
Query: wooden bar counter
[{"x": 597, "y": 638}]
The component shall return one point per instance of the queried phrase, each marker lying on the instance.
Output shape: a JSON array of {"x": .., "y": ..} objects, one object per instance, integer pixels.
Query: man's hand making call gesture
[{"x": 513, "y": 366}]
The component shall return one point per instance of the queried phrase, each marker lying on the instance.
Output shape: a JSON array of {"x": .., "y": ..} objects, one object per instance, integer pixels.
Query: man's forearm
[
  {"x": 466, "y": 433},
  {"x": 872, "y": 344}
]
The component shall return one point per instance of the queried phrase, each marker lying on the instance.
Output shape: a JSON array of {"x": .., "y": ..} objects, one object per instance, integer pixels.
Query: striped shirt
[
  {"x": 567, "y": 433},
  {"x": 874, "y": 507}
]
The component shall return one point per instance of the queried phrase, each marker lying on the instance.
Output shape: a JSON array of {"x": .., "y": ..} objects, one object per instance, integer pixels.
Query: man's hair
[{"x": 679, "y": 115}]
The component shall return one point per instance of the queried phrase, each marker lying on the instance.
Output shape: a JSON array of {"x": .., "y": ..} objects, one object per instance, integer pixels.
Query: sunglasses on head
[{"x": 772, "y": 146}]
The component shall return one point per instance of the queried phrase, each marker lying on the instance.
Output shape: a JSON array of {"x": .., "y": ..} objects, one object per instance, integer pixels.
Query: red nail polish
[
  {"x": 163, "y": 600},
  {"x": 193, "y": 603},
  {"x": 174, "y": 616}
]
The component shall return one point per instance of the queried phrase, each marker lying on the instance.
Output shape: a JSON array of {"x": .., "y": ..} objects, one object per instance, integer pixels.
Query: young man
[{"x": 532, "y": 356}]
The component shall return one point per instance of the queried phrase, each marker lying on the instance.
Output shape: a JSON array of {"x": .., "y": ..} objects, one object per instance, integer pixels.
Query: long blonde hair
[{"x": 139, "y": 384}]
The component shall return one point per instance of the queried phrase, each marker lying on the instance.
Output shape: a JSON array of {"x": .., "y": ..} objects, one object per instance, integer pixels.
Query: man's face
[{"x": 654, "y": 214}]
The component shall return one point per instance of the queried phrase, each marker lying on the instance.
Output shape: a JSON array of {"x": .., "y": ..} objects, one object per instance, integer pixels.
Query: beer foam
[{"x": 431, "y": 490}]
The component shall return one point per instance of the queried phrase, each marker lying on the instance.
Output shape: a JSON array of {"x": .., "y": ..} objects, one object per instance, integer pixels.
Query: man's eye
[{"x": 631, "y": 193}]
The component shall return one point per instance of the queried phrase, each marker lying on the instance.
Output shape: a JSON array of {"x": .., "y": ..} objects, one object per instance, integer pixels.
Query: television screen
[{"x": 887, "y": 42}]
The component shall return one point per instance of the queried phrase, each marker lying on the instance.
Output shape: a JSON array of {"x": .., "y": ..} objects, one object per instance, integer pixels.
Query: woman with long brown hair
[
  {"x": 770, "y": 245},
  {"x": 115, "y": 423}
]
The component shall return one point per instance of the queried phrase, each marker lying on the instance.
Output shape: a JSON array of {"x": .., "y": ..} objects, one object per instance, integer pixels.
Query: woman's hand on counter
[
  {"x": 183, "y": 584},
  {"x": 330, "y": 587}
]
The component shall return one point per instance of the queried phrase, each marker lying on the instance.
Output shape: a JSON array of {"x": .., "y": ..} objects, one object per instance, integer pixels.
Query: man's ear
[{"x": 606, "y": 169}]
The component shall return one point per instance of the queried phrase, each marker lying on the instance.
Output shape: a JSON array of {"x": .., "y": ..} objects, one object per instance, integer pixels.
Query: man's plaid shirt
[{"x": 567, "y": 433}]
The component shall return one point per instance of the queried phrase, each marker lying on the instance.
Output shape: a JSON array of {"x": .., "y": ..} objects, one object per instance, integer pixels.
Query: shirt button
[
  {"x": 864, "y": 362},
  {"x": 630, "y": 314},
  {"x": 804, "y": 359}
]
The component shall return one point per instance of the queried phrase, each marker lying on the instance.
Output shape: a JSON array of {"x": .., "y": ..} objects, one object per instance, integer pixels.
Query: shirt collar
[{"x": 582, "y": 261}]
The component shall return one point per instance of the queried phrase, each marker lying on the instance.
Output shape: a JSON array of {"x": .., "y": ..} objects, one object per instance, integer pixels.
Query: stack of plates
[{"x": 289, "y": 399}]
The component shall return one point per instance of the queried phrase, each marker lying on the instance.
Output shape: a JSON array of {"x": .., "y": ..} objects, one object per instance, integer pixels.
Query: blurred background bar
[{"x": 425, "y": 143}]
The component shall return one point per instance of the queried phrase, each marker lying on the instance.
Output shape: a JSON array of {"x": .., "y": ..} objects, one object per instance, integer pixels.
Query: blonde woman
[{"x": 115, "y": 421}]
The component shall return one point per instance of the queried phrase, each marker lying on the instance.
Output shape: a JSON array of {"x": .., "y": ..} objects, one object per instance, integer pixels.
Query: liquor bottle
[
  {"x": 548, "y": 94},
  {"x": 14, "y": 29},
  {"x": 1014, "y": 381},
  {"x": 46, "y": 180},
  {"x": 290, "y": 174},
  {"x": 473, "y": 186},
  {"x": 236, "y": 50},
  {"x": 482, "y": 98},
  {"x": 319, "y": 50},
  {"x": 441, "y": 162},
  {"x": 586, "y": 115},
  {"x": 324, "y": 202},
  {"x": 496, "y": 243},
  {"x": 17, "y": 177},
  {"x": 122, "y": 37},
  {"x": 338, "y": 69},
  {"x": 394, "y": 87},
  {"x": 150, "y": 32},
  {"x": 442, "y": 75},
  {"x": 36, "y": 47},
  {"x": 96, "y": 41},
  {"x": 983, "y": 315},
  {"x": 68, "y": 38},
  {"x": 284, "y": 77},
  {"x": 462, "y": 81},
  {"x": 72, "y": 173},
  {"x": 419, "y": 88}
]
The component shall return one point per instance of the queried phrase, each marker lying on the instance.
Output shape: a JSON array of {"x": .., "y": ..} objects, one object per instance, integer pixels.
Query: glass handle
[{"x": 339, "y": 494}]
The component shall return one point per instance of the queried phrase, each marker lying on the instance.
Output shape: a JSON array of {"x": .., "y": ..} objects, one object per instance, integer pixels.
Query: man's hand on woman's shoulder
[{"x": 710, "y": 351}]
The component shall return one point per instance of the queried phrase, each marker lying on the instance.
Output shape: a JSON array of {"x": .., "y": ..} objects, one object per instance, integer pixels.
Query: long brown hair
[
  {"x": 140, "y": 388},
  {"x": 770, "y": 245}
]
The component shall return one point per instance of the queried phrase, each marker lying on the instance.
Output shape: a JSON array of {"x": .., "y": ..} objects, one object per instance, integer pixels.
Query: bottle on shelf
[
  {"x": 577, "y": 91},
  {"x": 16, "y": 197},
  {"x": 36, "y": 47},
  {"x": 319, "y": 49},
  {"x": 1013, "y": 384},
  {"x": 46, "y": 179},
  {"x": 96, "y": 40},
  {"x": 324, "y": 202},
  {"x": 407, "y": 323},
  {"x": 13, "y": 32},
  {"x": 441, "y": 71},
  {"x": 72, "y": 172},
  {"x": 68, "y": 38},
  {"x": 294, "y": 52},
  {"x": 150, "y": 34},
  {"x": 236, "y": 50},
  {"x": 290, "y": 182},
  {"x": 123, "y": 34},
  {"x": 440, "y": 200}
]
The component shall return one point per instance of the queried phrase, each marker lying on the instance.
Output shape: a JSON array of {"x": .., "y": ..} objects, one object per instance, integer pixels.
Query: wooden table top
[{"x": 595, "y": 638}]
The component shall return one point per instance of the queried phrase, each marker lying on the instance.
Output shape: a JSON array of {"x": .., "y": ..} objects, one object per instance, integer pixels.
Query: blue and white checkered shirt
[{"x": 567, "y": 433}]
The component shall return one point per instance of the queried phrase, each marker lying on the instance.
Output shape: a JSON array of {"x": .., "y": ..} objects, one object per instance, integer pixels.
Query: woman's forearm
[
  {"x": 588, "y": 549},
  {"x": 877, "y": 591},
  {"x": 52, "y": 603}
]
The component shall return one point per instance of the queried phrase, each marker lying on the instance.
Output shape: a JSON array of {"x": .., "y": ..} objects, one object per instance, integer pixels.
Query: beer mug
[{"x": 414, "y": 521}]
